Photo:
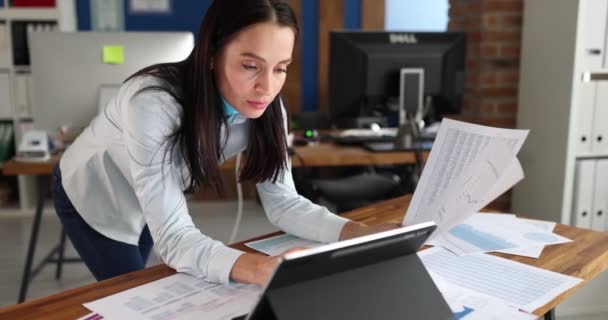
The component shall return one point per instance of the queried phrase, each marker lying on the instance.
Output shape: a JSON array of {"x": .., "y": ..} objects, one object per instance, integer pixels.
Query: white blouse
[{"x": 114, "y": 176}]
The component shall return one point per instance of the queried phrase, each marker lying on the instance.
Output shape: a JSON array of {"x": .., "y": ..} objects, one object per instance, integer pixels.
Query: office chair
[{"x": 352, "y": 188}]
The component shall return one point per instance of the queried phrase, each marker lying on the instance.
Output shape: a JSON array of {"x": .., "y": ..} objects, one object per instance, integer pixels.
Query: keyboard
[{"x": 360, "y": 136}]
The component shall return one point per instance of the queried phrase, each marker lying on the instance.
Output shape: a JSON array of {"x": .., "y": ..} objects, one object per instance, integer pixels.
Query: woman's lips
[{"x": 257, "y": 104}]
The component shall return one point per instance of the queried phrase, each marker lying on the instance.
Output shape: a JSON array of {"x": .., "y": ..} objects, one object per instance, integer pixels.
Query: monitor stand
[{"x": 411, "y": 108}]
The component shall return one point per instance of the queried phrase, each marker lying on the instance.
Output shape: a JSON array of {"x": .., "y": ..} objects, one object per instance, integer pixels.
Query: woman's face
[{"x": 251, "y": 69}]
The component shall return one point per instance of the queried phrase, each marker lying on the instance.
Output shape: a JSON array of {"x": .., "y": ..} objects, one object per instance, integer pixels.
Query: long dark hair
[{"x": 191, "y": 83}]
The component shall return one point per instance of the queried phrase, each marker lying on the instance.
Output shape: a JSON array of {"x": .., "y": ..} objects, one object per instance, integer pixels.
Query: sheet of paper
[
  {"x": 457, "y": 145},
  {"x": 532, "y": 251},
  {"x": 529, "y": 252},
  {"x": 178, "y": 297},
  {"x": 544, "y": 225},
  {"x": 518, "y": 285},
  {"x": 468, "y": 193},
  {"x": 279, "y": 244},
  {"x": 470, "y": 305},
  {"x": 480, "y": 234}
]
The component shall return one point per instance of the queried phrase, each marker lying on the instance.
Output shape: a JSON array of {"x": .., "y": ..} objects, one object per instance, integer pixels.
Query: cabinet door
[
  {"x": 592, "y": 32},
  {"x": 583, "y": 193},
  {"x": 584, "y": 106},
  {"x": 6, "y": 108},
  {"x": 599, "y": 134},
  {"x": 600, "y": 196}
]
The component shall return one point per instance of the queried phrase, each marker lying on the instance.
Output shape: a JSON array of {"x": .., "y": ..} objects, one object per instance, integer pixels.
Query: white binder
[
  {"x": 584, "y": 114},
  {"x": 583, "y": 193},
  {"x": 599, "y": 135},
  {"x": 600, "y": 196}
]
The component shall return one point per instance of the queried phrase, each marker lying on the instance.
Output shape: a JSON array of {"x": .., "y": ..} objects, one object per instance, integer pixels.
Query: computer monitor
[
  {"x": 365, "y": 72},
  {"x": 70, "y": 70}
]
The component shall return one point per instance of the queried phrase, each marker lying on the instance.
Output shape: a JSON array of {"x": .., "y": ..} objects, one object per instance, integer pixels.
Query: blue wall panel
[
  {"x": 185, "y": 16},
  {"x": 352, "y": 14},
  {"x": 310, "y": 55}
]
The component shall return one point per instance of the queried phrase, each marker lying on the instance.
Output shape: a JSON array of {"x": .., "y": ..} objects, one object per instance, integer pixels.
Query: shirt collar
[{"x": 232, "y": 115}]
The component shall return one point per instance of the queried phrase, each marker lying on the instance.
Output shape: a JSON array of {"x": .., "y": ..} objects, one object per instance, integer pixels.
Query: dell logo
[{"x": 403, "y": 38}]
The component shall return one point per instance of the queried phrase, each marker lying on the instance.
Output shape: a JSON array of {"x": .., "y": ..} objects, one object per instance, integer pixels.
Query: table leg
[
  {"x": 60, "y": 254},
  {"x": 42, "y": 186}
]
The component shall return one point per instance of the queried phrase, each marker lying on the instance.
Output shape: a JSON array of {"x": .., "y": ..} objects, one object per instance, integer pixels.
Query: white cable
[{"x": 239, "y": 192}]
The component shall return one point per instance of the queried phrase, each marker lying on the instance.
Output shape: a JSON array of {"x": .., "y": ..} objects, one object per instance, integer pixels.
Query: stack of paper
[
  {"x": 487, "y": 232},
  {"x": 176, "y": 297},
  {"x": 469, "y": 166}
]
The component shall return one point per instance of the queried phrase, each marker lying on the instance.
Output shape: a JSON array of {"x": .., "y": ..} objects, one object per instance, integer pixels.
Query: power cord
[{"x": 239, "y": 192}]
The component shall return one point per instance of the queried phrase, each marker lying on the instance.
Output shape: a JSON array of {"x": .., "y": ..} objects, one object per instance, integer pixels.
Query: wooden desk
[
  {"x": 320, "y": 155},
  {"x": 585, "y": 257},
  {"x": 325, "y": 154},
  {"x": 332, "y": 155}
]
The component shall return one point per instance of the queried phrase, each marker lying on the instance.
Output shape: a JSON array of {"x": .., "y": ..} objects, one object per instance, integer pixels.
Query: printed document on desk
[
  {"x": 277, "y": 245},
  {"x": 518, "y": 285},
  {"x": 470, "y": 305},
  {"x": 532, "y": 251},
  {"x": 490, "y": 232},
  {"x": 178, "y": 297},
  {"x": 468, "y": 167}
]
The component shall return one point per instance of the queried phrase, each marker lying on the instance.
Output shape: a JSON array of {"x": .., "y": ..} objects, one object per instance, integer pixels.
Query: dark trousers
[{"x": 105, "y": 257}]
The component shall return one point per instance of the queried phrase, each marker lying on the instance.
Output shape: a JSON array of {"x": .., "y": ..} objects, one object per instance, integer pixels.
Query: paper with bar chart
[{"x": 486, "y": 233}]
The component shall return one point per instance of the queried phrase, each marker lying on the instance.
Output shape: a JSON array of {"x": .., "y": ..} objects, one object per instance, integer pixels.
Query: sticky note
[{"x": 113, "y": 55}]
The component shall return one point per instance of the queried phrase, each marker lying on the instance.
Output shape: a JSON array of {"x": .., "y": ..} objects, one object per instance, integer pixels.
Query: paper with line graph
[{"x": 469, "y": 166}]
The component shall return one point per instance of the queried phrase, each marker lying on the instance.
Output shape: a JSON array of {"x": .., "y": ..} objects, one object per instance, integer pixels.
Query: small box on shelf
[{"x": 33, "y": 3}]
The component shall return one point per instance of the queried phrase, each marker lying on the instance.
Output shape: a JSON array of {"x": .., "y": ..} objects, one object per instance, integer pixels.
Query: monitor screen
[
  {"x": 364, "y": 74},
  {"x": 71, "y": 70}
]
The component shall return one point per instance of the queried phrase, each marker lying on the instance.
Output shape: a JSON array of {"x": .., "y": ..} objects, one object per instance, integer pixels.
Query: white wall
[{"x": 416, "y": 15}]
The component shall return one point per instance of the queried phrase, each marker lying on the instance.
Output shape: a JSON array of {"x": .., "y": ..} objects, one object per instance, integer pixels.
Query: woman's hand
[
  {"x": 253, "y": 268},
  {"x": 354, "y": 229}
]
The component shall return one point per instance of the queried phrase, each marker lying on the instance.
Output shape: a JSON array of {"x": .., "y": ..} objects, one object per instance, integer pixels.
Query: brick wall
[{"x": 492, "y": 64}]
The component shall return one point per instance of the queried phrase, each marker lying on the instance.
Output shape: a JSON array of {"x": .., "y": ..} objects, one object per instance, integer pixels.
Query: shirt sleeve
[
  {"x": 295, "y": 214},
  {"x": 150, "y": 118}
]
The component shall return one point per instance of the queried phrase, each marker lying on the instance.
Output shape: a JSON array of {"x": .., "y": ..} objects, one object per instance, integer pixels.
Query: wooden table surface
[
  {"x": 319, "y": 155},
  {"x": 585, "y": 257}
]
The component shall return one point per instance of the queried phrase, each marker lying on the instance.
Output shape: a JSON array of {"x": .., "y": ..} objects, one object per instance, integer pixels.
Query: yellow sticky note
[{"x": 113, "y": 54}]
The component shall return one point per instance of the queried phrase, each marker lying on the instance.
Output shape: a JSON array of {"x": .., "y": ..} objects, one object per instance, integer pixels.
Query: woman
[{"x": 119, "y": 187}]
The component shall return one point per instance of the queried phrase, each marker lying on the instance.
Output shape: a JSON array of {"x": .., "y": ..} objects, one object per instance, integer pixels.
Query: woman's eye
[
  {"x": 249, "y": 67},
  {"x": 284, "y": 70}
]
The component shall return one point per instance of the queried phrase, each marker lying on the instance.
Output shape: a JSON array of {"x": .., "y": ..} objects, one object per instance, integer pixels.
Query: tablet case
[{"x": 381, "y": 279}]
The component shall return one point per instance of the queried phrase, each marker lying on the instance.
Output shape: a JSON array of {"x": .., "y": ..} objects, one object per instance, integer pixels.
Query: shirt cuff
[
  {"x": 221, "y": 264},
  {"x": 332, "y": 228}
]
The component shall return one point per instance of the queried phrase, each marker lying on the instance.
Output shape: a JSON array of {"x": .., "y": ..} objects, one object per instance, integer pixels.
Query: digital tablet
[{"x": 378, "y": 276}]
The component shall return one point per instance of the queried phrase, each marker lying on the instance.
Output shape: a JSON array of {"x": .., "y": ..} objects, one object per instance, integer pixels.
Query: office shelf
[
  {"x": 15, "y": 72},
  {"x": 563, "y": 104}
]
